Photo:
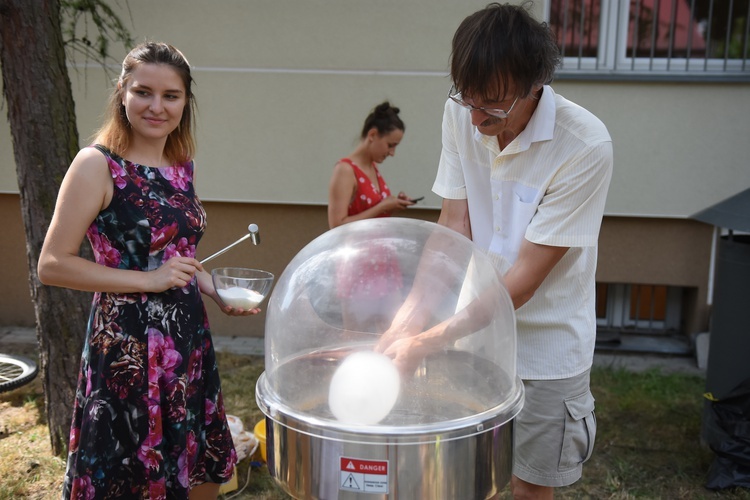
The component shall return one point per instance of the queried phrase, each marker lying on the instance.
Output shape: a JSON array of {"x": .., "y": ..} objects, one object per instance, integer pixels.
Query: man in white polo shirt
[{"x": 524, "y": 173}]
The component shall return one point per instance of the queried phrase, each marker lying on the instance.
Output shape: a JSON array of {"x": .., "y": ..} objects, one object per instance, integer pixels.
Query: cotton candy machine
[{"x": 390, "y": 367}]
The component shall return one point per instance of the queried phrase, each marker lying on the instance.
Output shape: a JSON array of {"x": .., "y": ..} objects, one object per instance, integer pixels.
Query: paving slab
[{"x": 638, "y": 363}]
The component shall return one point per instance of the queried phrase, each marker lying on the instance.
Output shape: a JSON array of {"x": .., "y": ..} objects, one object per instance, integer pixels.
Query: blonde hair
[{"x": 115, "y": 134}]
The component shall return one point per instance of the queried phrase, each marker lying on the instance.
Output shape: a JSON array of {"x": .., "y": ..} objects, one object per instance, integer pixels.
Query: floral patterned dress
[{"x": 148, "y": 418}]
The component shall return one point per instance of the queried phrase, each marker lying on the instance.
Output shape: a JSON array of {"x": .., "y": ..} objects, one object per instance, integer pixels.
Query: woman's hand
[
  {"x": 177, "y": 272},
  {"x": 393, "y": 203},
  {"x": 206, "y": 286},
  {"x": 233, "y": 311}
]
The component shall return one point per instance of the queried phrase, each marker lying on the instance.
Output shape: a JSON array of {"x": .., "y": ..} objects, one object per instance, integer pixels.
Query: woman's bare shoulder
[{"x": 89, "y": 160}]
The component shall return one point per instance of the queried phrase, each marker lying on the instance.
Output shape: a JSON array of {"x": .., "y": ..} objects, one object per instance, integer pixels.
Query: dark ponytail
[{"x": 384, "y": 118}]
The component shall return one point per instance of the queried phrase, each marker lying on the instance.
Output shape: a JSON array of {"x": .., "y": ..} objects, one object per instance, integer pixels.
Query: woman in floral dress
[{"x": 148, "y": 418}]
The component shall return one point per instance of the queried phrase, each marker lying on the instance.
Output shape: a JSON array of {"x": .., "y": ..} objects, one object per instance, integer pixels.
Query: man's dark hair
[{"x": 502, "y": 46}]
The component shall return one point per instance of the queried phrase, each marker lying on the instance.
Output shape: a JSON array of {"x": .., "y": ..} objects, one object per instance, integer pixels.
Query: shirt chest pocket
[{"x": 513, "y": 206}]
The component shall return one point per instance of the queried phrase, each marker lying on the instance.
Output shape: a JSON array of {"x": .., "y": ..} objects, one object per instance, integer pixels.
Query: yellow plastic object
[
  {"x": 231, "y": 485},
  {"x": 260, "y": 435}
]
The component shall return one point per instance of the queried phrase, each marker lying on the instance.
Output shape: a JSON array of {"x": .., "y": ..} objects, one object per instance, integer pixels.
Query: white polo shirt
[{"x": 548, "y": 186}]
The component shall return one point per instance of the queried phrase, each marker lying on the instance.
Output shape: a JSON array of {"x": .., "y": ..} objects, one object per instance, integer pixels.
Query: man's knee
[{"x": 523, "y": 490}]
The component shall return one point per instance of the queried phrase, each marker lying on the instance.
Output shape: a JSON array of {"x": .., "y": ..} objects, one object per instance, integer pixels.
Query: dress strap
[
  {"x": 104, "y": 150},
  {"x": 358, "y": 170},
  {"x": 351, "y": 163}
]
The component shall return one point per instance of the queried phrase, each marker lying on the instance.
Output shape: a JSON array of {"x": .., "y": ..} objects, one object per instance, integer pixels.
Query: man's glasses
[{"x": 455, "y": 95}]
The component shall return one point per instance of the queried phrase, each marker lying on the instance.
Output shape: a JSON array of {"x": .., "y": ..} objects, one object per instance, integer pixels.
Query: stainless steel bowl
[{"x": 439, "y": 441}]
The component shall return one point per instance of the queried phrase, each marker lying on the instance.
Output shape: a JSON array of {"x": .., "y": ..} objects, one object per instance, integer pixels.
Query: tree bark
[{"x": 42, "y": 120}]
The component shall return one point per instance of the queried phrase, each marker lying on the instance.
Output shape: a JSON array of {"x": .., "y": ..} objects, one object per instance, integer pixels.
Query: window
[
  {"x": 640, "y": 318},
  {"x": 701, "y": 39},
  {"x": 641, "y": 308}
]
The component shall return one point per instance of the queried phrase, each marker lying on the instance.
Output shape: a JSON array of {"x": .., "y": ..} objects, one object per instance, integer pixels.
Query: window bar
[
  {"x": 580, "y": 37},
  {"x": 672, "y": 28},
  {"x": 652, "y": 308},
  {"x": 708, "y": 34},
  {"x": 641, "y": 301},
  {"x": 746, "y": 36},
  {"x": 617, "y": 13},
  {"x": 728, "y": 38},
  {"x": 634, "y": 42},
  {"x": 690, "y": 35},
  {"x": 564, "y": 27},
  {"x": 590, "y": 28},
  {"x": 582, "y": 32},
  {"x": 654, "y": 32},
  {"x": 638, "y": 299}
]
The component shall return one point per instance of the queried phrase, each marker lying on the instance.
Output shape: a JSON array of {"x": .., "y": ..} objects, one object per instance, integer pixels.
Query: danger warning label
[{"x": 364, "y": 476}]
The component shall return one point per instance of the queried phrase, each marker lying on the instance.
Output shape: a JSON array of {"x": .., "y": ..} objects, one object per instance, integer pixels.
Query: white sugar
[{"x": 240, "y": 298}]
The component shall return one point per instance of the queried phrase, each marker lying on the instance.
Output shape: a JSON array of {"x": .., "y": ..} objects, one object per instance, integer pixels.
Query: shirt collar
[{"x": 542, "y": 123}]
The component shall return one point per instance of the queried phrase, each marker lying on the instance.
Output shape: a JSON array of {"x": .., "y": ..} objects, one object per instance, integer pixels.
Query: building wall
[
  {"x": 284, "y": 86},
  {"x": 284, "y": 231},
  {"x": 16, "y": 307},
  {"x": 632, "y": 250},
  {"x": 659, "y": 251}
]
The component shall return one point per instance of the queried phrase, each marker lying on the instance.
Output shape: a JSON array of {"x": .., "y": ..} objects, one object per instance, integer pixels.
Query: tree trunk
[{"x": 42, "y": 120}]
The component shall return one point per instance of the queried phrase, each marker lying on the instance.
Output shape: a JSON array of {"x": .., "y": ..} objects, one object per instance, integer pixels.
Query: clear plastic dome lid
[{"x": 389, "y": 322}]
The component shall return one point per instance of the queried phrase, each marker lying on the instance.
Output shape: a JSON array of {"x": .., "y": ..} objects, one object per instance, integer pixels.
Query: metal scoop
[{"x": 253, "y": 234}]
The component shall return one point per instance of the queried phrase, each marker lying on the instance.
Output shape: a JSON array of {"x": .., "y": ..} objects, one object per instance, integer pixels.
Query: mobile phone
[{"x": 414, "y": 200}]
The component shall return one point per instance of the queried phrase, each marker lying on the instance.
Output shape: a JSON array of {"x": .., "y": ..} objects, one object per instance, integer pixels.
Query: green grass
[{"x": 648, "y": 442}]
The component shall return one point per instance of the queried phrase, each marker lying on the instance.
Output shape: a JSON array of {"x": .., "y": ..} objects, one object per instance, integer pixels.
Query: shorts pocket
[{"x": 580, "y": 431}]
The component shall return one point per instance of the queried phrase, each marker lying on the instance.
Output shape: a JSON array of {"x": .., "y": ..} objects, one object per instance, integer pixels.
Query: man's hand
[{"x": 408, "y": 349}]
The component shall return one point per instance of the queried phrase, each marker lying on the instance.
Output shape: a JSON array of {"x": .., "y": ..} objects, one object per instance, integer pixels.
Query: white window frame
[
  {"x": 613, "y": 60},
  {"x": 618, "y": 311}
]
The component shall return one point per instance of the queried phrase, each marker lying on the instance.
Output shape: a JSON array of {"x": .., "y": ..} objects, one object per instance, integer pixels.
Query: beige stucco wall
[
  {"x": 284, "y": 85},
  {"x": 283, "y": 88},
  {"x": 655, "y": 251},
  {"x": 284, "y": 230},
  {"x": 632, "y": 250},
  {"x": 15, "y": 299}
]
